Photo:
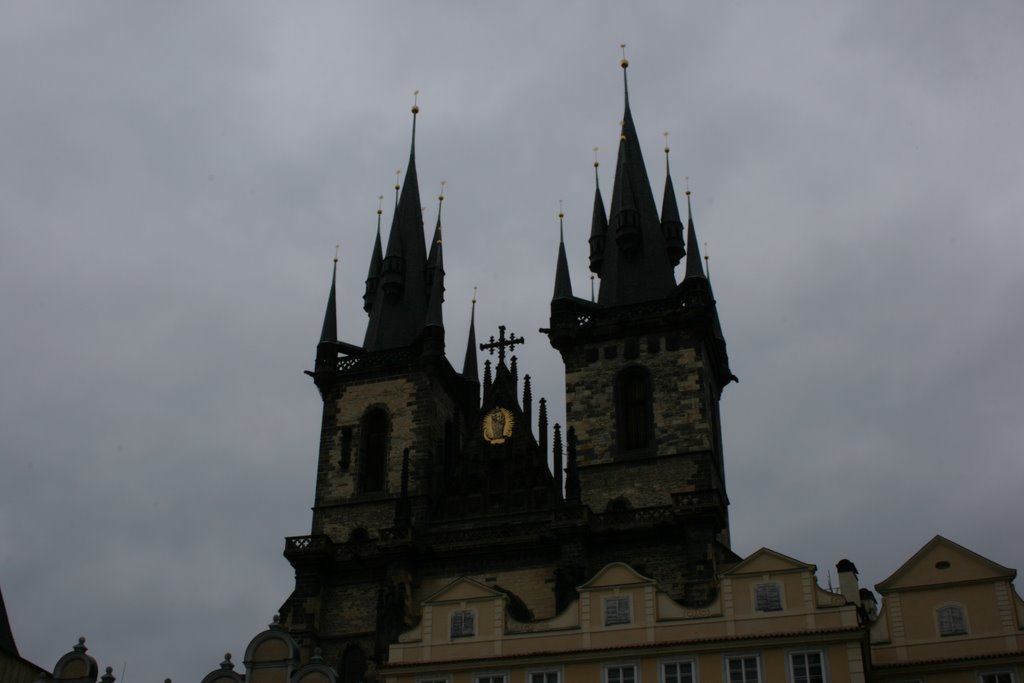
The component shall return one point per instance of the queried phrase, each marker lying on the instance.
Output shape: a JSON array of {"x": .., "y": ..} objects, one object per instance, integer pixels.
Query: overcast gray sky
[{"x": 174, "y": 177}]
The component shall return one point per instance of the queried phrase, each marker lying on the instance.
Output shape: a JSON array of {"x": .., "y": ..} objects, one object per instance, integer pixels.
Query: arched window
[
  {"x": 374, "y": 457},
  {"x": 633, "y": 408}
]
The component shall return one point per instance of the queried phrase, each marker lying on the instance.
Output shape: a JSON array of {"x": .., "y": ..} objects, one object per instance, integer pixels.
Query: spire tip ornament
[
  {"x": 415, "y": 100},
  {"x": 625, "y": 62}
]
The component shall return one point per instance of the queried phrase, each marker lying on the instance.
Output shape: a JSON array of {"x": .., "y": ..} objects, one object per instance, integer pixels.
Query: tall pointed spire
[
  {"x": 563, "y": 284},
  {"x": 671, "y": 225},
  {"x": 329, "y": 332},
  {"x": 399, "y": 308},
  {"x": 598, "y": 225},
  {"x": 694, "y": 268},
  {"x": 435, "y": 271},
  {"x": 469, "y": 366},
  {"x": 635, "y": 266},
  {"x": 327, "y": 348},
  {"x": 376, "y": 261}
]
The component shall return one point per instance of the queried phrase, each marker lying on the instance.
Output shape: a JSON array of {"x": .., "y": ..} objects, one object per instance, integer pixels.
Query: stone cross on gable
[{"x": 502, "y": 343}]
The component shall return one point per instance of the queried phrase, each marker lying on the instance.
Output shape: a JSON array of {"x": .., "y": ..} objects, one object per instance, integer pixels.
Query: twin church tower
[{"x": 428, "y": 473}]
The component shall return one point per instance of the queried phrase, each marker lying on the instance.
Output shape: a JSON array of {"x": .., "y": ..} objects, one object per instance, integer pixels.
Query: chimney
[
  {"x": 848, "y": 585},
  {"x": 867, "y": 598}
]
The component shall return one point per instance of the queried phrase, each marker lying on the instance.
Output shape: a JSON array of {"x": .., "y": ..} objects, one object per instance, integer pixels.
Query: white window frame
[
  {"x": 999, "y": 672},
  {"x": 620, "y": 665},
  {"x": 618, "y": 598},
  {"x": 434, "y": 679},
  {"x": 966, "y": 629},
  {"x": 451, "y": 624},
  {"x": 742, "y": 655},
  {"x": 489, "y": 676},
  {"x": 781, "y": 594},
  {"x": 557, "y": 670},
  {"x": 662, "y": 663},
  {"x": 803, "y": 653}
]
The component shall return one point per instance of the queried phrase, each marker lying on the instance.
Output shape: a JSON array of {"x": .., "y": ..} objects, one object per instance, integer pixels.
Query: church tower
[
  {"x": 645, "y": 366},
  {"x": 428, "y": 476}
]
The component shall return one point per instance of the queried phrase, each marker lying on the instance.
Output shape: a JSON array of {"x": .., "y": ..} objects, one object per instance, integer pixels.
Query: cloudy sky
[{"x": 174, "y": 177}]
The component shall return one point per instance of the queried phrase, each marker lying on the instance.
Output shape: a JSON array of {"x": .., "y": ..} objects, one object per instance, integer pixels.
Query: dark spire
[
  {"x": 542, "y": 427},
  {"x": 469, "y": 367},
  {"x": 399, "y": 308},
  {"x": 694, "y": 268},
  {"x": 563, "y": 285},
  {"x": 376, "y": 259},
  {"x": 435, "y": 271},
  {"x": 671, "y": 224},
  {"x": 635, "y": 265},
  {"x": 598, "y": 225},
  {"x": 329, "y": 332},
  {"x": 572, "y": 475},
  {"x": 556, "y": 456}
]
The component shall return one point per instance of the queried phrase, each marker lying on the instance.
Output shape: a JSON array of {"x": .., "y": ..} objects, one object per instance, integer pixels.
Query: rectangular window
[
  {"x": 951, "y": 621},
  {"x": 463, "y": 623},
  {"x": 490, "y": 678},
  {"x": 768, "y": 597},
  {"x": 543, "y": 677},
  {"x": 624, "y": 673},
  {"x": 807, "y": 667},
  {"x": 677, "y": 672},
  {"x": 997, "y": 677},
  {"x": 433, "y": 680},
  {"x": 743, "y": 669},
  {"x": 616, "y": 610}
]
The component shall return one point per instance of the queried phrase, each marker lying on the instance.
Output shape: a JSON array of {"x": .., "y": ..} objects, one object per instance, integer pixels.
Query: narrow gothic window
[
  {"x": 373, "y": 463},
  {"x": 633, "y": 408}
]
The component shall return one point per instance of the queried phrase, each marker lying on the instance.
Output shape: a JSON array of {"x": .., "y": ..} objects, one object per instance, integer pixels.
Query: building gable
[{"x": 941, "y": 562}]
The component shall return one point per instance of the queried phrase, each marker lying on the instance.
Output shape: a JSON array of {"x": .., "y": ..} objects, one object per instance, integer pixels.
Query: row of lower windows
[{"x": 804, "y": 667}]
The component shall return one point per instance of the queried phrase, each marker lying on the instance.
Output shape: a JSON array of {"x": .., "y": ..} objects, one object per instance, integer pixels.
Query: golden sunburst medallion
[{"x": 497, "y": 425}]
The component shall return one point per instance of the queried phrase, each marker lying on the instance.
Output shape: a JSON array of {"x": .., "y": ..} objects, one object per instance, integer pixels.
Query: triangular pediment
[
  {"x": 766, "y": 561},
  {"x": 941, "y": 562},
  {"x": 463, "y": 589},
  {"x": 615, "y": 574}
]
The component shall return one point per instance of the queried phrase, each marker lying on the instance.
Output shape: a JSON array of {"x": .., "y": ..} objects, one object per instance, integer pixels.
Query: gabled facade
[
  {"x": 623, "y": 626},
  {"x": 949, "y": 614}
]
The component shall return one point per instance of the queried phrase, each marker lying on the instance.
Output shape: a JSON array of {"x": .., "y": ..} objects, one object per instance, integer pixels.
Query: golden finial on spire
[
  {"x": 561, "y": 213},
  {"x": 666, "y": 142},
  {"x": 707, "y": 261},
  {"x": 440, "y": 197},
  {"x": 380, "y": 204},
  {"x": 596, "y": 162},
  {"x": 625, "y": 62},
  {"x": 561, "y": 218},
  {"x": 415, "y": 99},
  {"x": 474, "y": 296},
  {"x": 687, "y": 179},
  {"x": 336, "y": 247}
]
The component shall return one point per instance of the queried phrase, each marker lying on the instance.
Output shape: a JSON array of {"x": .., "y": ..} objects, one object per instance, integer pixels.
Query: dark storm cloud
[{"x": 173, "y": 182}]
